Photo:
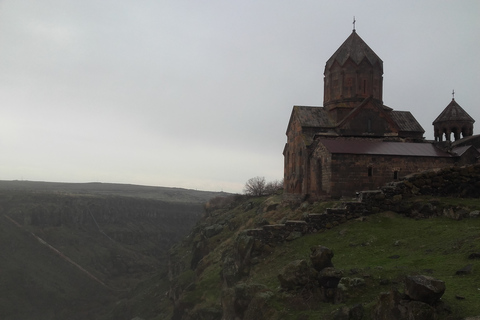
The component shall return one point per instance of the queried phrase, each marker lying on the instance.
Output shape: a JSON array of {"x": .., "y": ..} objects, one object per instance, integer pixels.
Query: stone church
[{"x": 355, "y": 142}]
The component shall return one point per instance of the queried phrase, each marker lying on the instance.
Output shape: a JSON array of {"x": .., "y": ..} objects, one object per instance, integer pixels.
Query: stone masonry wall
[
  {"x": 452, "y": 182},
  {"x": 371, "y": 172}
]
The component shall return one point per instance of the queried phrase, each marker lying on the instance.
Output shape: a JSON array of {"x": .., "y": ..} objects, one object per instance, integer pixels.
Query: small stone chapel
[{"x": 354, "y": 142}]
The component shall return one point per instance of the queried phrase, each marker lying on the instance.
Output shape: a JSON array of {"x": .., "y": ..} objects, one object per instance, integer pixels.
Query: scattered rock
[
  {"x": 424, "y": 288},
  {"x": 384, "y": 282},
  {"x": 352, "y": 282},
  {"x": 392, "y": 306},
  {"x": 213, "y": 230},
  {"x": 294, "y": 235},
  {"x": 349, "y": 313},
  {"x": 321, "y": 257},
  {"x": 459, "y": 297},
  {"x": 329, "y": 277},
  {"x": 295, "y": 274},
  {"x": 354, "y": 271},
  {"x": 474, "y": 214},
  {"x": 465, "y": 270},
  {"x": 248, "y": 206},
  {"x": 475, "y": 255}
]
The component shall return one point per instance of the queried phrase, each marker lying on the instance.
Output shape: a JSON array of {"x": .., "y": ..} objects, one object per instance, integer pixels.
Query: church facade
[{"x": 354, "y": 142}]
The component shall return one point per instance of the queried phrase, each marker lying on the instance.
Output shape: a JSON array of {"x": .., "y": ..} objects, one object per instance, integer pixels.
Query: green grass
[{"x": 437, "y": 247}]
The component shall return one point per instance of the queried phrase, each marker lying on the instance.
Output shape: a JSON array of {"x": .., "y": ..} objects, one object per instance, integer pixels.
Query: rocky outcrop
[
  {"x": 294, "y": 275},
  {"x": 424, "y": 288},
  {"x": 320, "y": 278},
  {"x": 246, "y": 301},
  {"x": 321, "y": 257},
  {"x": 421, "y": 300}
]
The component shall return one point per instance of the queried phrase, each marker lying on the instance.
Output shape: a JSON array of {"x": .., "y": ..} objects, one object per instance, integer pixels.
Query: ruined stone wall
[{"x": 453, "y": 181}]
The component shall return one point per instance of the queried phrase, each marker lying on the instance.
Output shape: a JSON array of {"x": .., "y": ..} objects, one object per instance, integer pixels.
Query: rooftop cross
[
  {"x": 453, "y": 94},
  {"x": 354, "y": 23}
]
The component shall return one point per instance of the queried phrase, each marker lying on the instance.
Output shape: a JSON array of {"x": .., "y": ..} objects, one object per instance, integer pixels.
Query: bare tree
[
  {"x": 273, "y": 186},
  {"x": 255, "y": 186}
]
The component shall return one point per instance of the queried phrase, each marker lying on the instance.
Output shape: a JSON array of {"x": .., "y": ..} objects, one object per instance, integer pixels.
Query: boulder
[
  {"x": 321, "y": 257},
  {"x": 420, "y": 310},
  {"x": 349, "y": 313},
  {"x": 465, "y": 270},
  {"x": 474, "y": 214},
  {"x": 475, "y": 255},
  {"x": 424, "y": 288},
  {"x": 213, "y": 230},
  {"x": 295, "y": 274},
  {"x": 329, "y": 277},
  {"x": 388, "y": 306}
]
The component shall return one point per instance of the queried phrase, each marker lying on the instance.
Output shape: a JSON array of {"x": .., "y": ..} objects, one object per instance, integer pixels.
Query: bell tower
[{"x": 453, "y": 120}]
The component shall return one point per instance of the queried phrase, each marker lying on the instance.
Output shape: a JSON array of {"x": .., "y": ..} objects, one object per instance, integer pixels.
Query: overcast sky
[{"x": 198, "y": 94}]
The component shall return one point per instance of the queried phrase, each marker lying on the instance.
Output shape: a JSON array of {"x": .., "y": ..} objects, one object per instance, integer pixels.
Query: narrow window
[
  {"x": 395, "y": 175},
  {"x": 364, "y": 86},
  {"x": 370, "y": 171}
]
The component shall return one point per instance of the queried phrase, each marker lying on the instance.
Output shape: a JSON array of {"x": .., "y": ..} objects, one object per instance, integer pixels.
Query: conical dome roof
[
  {"x": 453, "y": 112},
  {"x": 355, "y": 48}
]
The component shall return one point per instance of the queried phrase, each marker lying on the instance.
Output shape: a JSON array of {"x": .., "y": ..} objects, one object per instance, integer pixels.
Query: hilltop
[
  {"x": 113, "y": 189},
  {"x": 253, "y": 257}
]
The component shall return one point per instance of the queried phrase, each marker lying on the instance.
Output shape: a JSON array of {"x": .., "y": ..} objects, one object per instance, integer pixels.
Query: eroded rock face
[
  {"x": 242, "y": 253},
  {"x": 424, "y": 288},
  {"x": 321, "y": 257},
  {"x": 295, "y": 274},
  {"x": 246, "y": 301},
  {"x": 213, "y": 230}
]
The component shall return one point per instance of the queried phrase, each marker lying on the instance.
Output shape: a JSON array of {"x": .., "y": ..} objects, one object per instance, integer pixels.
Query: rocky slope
[{"x": 376, "y": 257}]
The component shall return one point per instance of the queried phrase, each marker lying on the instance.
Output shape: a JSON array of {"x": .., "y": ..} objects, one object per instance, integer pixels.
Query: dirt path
[{"x": 60, "y": 254}]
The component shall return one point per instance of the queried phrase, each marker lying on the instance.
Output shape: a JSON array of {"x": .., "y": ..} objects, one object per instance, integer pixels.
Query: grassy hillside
[{"x": 380, "y": 249}]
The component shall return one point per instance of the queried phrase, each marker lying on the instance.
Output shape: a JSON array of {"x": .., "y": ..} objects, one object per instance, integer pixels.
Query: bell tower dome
[
  {"x": 453, "y": 119},
  {"x": 352, "y": 74}
]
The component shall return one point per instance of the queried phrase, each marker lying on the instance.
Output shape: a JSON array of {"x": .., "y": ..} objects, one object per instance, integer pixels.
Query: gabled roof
[
  {"x": 369, "y": 147},
  {"x": 317, "y": 117},
  {"x": 406, "y": 122},
  {"x": 453, "y": 112},
  {"x": 356, "y": 49},
  {"x": 314, "y": 117},
  {"x": 380, "y": 107},
  {"x": 461, "y": 150}
]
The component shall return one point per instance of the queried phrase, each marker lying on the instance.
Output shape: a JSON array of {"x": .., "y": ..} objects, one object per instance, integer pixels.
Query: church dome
[
  {"x": 356, "y": 49},
  {"x": 453, "y": 120}
]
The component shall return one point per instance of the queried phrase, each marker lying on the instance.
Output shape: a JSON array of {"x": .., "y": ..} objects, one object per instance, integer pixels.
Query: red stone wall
[
  {"x": 295, "y": 160},
  {"x": 352, "y": 173}
]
